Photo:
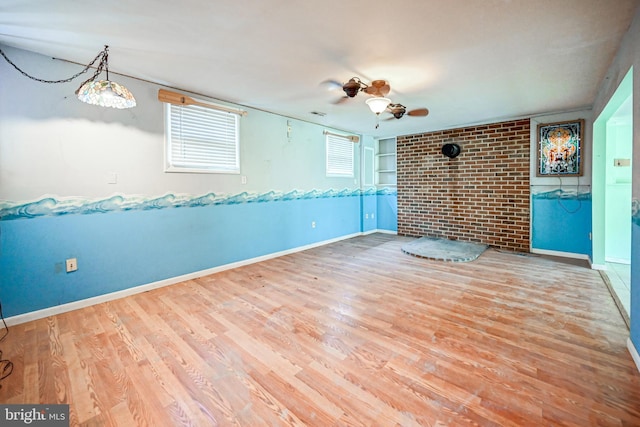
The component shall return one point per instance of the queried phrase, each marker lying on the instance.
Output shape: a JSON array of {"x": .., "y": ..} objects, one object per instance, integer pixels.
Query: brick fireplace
[{"x": 482, "y": 195}]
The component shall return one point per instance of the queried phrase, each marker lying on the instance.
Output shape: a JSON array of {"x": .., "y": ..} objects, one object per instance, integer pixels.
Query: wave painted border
[
  {"x": 635, "y": 211},
  {"x": 57, "y": 206},
  {"x": 559, "y": 193},
  {"x": 386, "y": 191}
]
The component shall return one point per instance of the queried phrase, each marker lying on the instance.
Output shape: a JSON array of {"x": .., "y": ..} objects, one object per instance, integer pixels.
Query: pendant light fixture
[{"x": 105, "y": 93}]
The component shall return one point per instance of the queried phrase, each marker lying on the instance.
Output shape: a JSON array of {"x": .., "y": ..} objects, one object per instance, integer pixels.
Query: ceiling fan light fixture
[{"x": 378, "y": 104}]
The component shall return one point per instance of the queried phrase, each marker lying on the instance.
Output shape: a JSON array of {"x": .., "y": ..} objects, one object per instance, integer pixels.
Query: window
[
  {"x": 339, "y": 155},
  {"x": 201, "y": 139}
]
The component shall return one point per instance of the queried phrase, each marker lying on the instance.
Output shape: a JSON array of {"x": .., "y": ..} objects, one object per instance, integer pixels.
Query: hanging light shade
[
  {"x": 378, "y": 104},
  {"x": 105, "y": 93}
]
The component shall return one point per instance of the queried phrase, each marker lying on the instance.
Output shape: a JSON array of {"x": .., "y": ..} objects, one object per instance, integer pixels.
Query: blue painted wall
[
  {"x": 561, "y": 222},
  {"x": 369, "y": 207},
  {"x": 634, "y": 315},
  {"x": 387, "y": 209},
  {"x": 118, "y": 249}
]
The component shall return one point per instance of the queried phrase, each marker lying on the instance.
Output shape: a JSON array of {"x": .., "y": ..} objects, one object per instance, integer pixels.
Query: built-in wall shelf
[{"x": 386, "y": 161}]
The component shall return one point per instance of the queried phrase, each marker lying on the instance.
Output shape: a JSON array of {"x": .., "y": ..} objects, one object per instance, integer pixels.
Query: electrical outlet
[
  {"x": 313, "y": 224},
  {"x": 112, "y": 178},
  {"x": 72, "y": 265},
  {"x": 366, "y": 216}
]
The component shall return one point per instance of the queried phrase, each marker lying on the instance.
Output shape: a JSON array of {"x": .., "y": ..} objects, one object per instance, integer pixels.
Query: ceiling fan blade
[
  {"x": 340, "y": 100},
  {"x": 331, "y": 84},
  {"x": 418, "y": 112},
  {"x": 177, "y": 98}
]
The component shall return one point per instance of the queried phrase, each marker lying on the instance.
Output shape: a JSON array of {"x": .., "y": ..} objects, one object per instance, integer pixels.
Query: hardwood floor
[{"x": 354, "y": 333}]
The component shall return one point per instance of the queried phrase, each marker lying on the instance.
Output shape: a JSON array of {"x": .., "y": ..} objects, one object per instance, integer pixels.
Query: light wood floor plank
[{"x": 355, "y": 333}]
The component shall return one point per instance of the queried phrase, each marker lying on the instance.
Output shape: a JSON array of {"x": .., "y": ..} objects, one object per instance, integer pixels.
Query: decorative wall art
[{"x": 560, "y": 148}]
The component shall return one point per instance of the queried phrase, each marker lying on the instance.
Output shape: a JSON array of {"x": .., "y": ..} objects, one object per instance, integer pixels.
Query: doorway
[{"x": 612, "y": 178}]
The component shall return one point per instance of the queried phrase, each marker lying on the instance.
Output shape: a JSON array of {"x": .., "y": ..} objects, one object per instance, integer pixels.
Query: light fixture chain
[
  {"x": 100, "y": 55},
  {"x": 101, "y": 65}
]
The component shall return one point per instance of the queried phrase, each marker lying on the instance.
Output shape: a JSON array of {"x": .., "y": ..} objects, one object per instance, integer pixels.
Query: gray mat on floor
[{"x": 444, "y": 249}]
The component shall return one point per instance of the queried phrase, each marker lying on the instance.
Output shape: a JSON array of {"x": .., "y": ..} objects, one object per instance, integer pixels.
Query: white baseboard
[
  {"x": 75, "y": 305},
  {"x": 634, "y": 353},
  {"x": 618, "y": 260},
  {"x": 385, "y": 231},
  {"x": 569, "y": 255},
  {"x": 559, "y": 253}
]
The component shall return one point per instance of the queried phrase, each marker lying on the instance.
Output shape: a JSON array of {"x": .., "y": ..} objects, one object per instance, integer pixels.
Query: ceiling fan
[
  {"x": 399, "y": 110},
  {"x": 376, "y": 88},
  {"x": 378, "y": 104}
]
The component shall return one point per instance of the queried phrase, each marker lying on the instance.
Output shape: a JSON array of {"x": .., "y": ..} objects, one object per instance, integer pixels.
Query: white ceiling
[{"x": 467, "y": 61}]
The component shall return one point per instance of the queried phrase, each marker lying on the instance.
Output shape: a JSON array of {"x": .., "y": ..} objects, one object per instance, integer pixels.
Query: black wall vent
[{"x": 451, "y": 150}]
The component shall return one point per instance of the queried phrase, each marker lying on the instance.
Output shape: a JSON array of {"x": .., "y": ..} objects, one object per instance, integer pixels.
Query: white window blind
[
  {"x": 339, "y": 155},
  {"x": 201, "y": 139}
]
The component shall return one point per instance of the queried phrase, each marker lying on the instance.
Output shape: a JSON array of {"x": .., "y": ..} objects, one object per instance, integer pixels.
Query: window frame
[
  {"x": 333, "y": 168},
  {"x": 221, "y": 114}
]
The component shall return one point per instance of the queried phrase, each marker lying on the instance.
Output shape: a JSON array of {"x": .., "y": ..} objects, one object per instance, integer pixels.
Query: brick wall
[{"x": 480, "y": 196}]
